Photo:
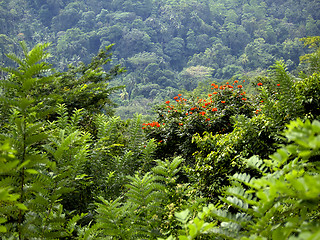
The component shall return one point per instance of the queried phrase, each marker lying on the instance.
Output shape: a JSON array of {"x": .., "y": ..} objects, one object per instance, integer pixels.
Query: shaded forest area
[{"x": 166, "y": 46}]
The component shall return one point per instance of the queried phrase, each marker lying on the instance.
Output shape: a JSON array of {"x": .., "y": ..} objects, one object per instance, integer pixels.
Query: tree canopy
[{"x": 235, "y": 38}]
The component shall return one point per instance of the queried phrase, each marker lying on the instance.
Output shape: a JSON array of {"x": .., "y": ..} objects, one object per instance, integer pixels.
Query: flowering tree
[{"x": 180, "y": 118}]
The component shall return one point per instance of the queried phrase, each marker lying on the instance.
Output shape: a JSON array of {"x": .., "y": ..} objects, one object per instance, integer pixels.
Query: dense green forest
[
  {"x": 165, "y": 46},
  {"x": 227, "y": 142}
]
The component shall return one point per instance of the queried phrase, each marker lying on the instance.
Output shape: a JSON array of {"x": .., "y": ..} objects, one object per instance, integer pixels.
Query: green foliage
[
  {"x": 220, "y": 155},
  {"x": 276, "y": 90},
  {"x": 146, "y": 210},
  {"x": 308, "y": 91},
  {"x": 40, "y": 180},
  {"x": 121, "y": 148},
  {"x": 21, "y": 87},
  {"x": 69, "y": 148},
  {"x": 42, "y": 194},
  {"x": 283, "y": 203},
  {"x": 8, "y": 165},
  {"x": 86, "y": 86},
  {"x": 139, "y": 216}
]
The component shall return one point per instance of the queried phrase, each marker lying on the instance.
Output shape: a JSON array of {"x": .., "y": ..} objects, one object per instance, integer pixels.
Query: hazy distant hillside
[{"x": 166, "y": 46}]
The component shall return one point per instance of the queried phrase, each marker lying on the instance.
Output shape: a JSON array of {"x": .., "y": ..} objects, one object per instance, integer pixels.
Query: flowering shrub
[{"x": 180, "y": 118}]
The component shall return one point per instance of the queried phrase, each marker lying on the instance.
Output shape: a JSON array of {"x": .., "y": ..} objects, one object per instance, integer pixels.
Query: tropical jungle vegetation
[
  {"x": 165, "y": 46},
  {"x": 228, "y": 150}
]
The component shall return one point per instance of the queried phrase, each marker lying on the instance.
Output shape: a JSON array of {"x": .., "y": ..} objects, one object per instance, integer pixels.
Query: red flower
[
  {"x": 259, "y": 84},
  {"x": 180, "y": 124},
  {"x": 214, "y": 109},
  {"x": 278, "y": 84},
  {"x": 236, "y": 81},
  {"x": 167, "y": 102},
  {"x": 175, "y": 98},
  {"x": 202, "y": 113},
  {"x": 214, "y": 93},
  {"x": 239, "y": 86},
  {"x": 179, "y": 95},
  {"x": 223, "y": 101},
  {"x": 244, "y": 99},
  {"x": 208, "y": 119}
]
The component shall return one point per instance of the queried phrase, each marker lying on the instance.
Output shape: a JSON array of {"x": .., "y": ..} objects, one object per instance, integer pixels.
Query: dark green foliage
[
  {"x": 47, "y": 182},
  {"x": 221, "y": 155},
  {"x": 308, "y": 90},
  {"x": 146, "y": 210},
  {"x": 277, "y": 88},
  {"x": 283, "y": 203},
  {"x": 86, "y": 86},
  {"x": 8, "y": 165},
  {"x": 39, "y": 181},
  {"x": 138, "y": 216}
]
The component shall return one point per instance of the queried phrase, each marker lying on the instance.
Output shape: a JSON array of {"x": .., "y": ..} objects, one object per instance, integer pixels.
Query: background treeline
[{"x": 166, "y": 46}]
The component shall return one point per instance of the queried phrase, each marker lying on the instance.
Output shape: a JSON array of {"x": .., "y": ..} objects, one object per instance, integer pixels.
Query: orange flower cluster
[
  {"x": 215, "y": 86},
  {"x": 153, "y": 124},
  {"x": 205, "y": 106},
  {"x": 178, "y": 99},
  {"x": 226, "y": 86}
]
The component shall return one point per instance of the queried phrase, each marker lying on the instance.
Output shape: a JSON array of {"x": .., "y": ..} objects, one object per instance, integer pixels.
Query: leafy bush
[
  {"x": 147, "y": 207},
  {"x": 282, "y": 204}
]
